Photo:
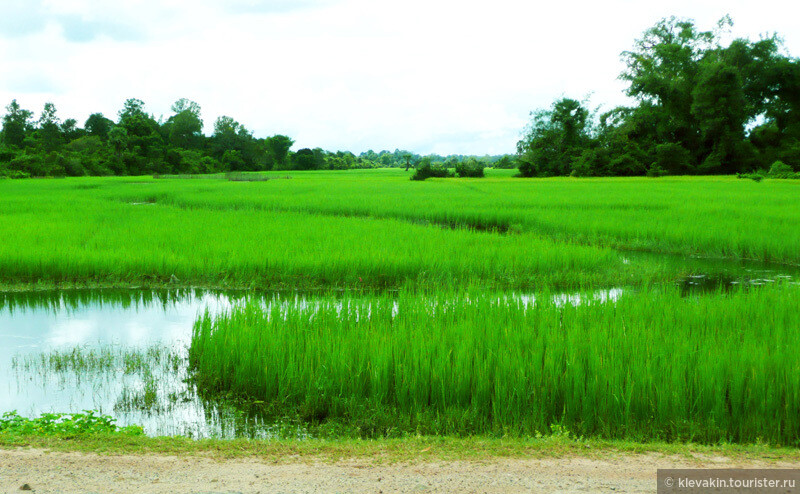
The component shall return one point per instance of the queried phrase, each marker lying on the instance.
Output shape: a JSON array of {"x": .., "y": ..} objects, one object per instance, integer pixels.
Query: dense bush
[
  {"x": 673, "y": 158},
  {"x": 470, "y": 168},
  {"x": 779, "y": 169},
  {"x": 656, "y": 171},
  {"x": 756, "y": 176},
  {"x": 505, "y": 163},
  {"x": 528, "y": 168},
  {"x": 426, "y": 170}
]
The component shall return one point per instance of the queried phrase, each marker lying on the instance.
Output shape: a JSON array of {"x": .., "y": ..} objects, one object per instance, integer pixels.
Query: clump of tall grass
[{"x": 650, "y": 366}]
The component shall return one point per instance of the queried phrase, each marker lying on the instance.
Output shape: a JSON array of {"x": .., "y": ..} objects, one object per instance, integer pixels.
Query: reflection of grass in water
[
  {"x": 160, "y": 367},
  {"x": 60, "y": 300},
  {"x": 99, "y": 360},
  {"x": 145, "y": 399},
  {"x": 149, "y": 386}
]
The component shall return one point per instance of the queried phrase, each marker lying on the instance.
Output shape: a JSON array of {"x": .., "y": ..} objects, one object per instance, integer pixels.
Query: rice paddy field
[
  {"x": 640, "y": 309},
  {"x": 650, "y": 366},
  {"x": 377, "y": 229}
]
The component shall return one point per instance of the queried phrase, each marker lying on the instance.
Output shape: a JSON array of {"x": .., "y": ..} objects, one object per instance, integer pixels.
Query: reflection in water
[
  {"x": 78, "y": 350},
  {"x": 121, "y": 323},
  {"x": 701, "y": 274},
  {"x": 38, "y": 330}
]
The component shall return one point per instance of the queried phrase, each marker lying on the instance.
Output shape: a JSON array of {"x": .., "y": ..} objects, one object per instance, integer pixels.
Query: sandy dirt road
[{"x": 46, "y": 472}]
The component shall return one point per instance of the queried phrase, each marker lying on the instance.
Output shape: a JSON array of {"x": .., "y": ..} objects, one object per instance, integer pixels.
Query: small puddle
[{"x": 703, "y": 274}]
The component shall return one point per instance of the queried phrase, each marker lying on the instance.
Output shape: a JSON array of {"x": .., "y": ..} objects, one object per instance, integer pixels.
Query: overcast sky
[{"x": 424, "y": 75}]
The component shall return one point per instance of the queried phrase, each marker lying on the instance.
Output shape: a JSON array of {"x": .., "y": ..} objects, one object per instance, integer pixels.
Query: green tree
[
  {"x": 98, "y": 126},
  {"x": 554, "y": 139},
  {"x": 16, "y": 124},
  {"x": 703, "y": 96},
  {"x": 662, "y": 71},
  {"x": 49, "y": 132},
  {"x": 230, "y": 135},
  {"x": 186, "y": 125},
  {"x": 145, "y": 141},
  {"x": 278, "y": 148},
  {"x": 118, "y": 139},
  {"x": 720, "y": 109},
  {"x": 305, "y": 159},
  {"x": 70, "y": 130}
]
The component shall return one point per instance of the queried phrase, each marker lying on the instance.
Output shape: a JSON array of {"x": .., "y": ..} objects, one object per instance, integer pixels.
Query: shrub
[
  {"x": 581, "y": 168},
  {"x": 590, "y": 162},
  {"x": 626, "y": 165},
  {"x": 756, "y": 176},
  {"x": 528, "y": 169},
  {"x": 672, "y": 157},
  {"x": 426, "y": 170},
  {"x": 470, "y": 168},
  {"x": 29, "y": 164},
  {"x": 656, "y": 171},
  {"x": 6, "y": 154},
  {"x": 505, "y": 163},
  {"x": 779, "y": 169},
  {"x": 233, "y": 161}
]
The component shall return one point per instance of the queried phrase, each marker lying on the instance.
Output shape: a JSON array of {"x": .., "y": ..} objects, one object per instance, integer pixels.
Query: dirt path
[{"x": 84, "y": 473}]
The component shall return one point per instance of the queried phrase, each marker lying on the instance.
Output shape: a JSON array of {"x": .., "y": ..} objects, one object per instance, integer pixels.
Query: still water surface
[{"x": 33, "y": 324}]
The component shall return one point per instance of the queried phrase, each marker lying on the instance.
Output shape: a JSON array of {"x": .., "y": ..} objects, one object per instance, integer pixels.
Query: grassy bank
[
  {"x": 653, "y": 366},
  {"x": 409, "y": 449}
]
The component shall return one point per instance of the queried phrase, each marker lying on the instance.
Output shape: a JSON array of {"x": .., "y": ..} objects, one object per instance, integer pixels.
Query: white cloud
[{"x": 440, "y": 76}]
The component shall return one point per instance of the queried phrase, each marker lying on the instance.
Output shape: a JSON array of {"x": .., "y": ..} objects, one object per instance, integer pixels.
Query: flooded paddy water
[{"x": 124, "y": 352}]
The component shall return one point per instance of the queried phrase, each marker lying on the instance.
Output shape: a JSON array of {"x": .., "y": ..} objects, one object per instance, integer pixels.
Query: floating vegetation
[{"x": 87, "y": 422}]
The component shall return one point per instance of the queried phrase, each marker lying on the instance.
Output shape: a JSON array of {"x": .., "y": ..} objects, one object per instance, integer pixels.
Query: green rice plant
[
  {"x": 130, "y": 242},
  {"x": 375, "y": 229},
  {"x": 715, "y": 216},
  {"x": 718, "y": 367}
]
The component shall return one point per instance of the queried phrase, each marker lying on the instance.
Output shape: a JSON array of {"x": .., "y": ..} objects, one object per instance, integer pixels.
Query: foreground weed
[{"x": 88, "y": 422}]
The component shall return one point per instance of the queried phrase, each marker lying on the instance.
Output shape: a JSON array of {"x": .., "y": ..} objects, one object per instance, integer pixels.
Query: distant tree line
[
  {"x": 701, "y": 108},
  {"x": 136, "y": 143}
]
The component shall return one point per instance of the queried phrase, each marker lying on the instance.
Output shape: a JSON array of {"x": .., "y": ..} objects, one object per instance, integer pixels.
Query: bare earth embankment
[{"x": 64, "y": 472}]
